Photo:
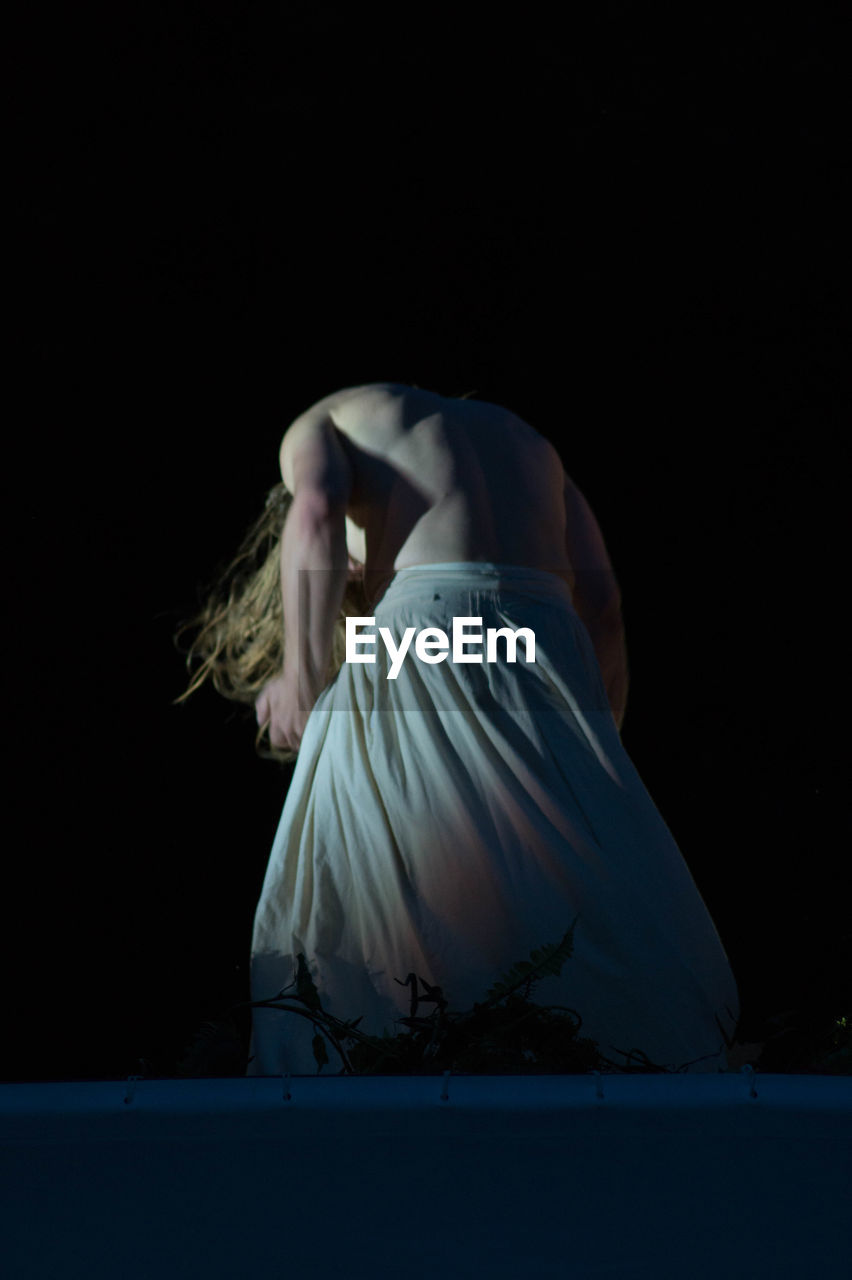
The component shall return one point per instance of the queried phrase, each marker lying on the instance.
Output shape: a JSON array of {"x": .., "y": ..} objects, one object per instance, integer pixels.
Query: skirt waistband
[{"x": 477, "y": 575}]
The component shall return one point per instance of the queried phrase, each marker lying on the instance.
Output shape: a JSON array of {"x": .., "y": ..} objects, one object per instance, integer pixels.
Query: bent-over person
[{"x": 450, "y": 813}]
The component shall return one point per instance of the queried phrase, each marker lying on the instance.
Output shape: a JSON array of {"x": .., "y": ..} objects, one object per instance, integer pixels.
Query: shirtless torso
[{"x": 437, "y": 479}]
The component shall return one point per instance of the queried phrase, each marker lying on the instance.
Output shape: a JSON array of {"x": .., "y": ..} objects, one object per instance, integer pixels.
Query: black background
[{"x": 625, "y": 229}]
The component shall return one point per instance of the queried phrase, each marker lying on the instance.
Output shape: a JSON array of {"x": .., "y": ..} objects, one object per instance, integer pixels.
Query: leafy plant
[
  {"x": 504, "y": 1033},
  {"x": 507, "y": 1033}
]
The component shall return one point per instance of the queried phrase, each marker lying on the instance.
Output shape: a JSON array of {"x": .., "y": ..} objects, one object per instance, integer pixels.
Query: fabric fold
[{"x": 452, "y": 820}]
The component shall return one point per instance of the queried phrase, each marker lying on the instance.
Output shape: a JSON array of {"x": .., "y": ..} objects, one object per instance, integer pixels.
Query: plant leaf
[
  {"x": 320, "y": 1054},
  {"x": 545, "y": 960},
  {"x": 305, "y": 989}
]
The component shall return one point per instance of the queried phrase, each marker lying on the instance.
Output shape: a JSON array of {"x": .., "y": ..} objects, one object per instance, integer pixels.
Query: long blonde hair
[{"x": 239, "y": 640}]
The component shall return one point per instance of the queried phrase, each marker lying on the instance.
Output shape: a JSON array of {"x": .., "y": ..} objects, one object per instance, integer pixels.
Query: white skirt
[{"x": 451, "y": 821}]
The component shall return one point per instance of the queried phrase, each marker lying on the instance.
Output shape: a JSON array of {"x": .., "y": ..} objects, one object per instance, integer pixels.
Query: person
[{"x": 447, "y": 814}]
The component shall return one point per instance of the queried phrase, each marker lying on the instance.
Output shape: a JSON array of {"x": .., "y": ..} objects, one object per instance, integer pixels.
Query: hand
[{"x": 280, "y": 706}]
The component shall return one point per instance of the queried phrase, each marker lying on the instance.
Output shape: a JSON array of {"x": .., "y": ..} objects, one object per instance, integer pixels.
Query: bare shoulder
[
  {"x": 341, "y": 412},
  {"x": 379, "y": 415},
  {"x": 349, "y": 402},
  {"x": 355, "y": 412},
  {"x": 355, "y": 409}
]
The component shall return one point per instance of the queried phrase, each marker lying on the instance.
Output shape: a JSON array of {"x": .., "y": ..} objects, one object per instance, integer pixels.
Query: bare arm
[
  {"x": 597, "y": 597},
  {"x": 608, "y": 642},
  {"x": 313, "y": 573},
  {"x": 313, "y": 580}
]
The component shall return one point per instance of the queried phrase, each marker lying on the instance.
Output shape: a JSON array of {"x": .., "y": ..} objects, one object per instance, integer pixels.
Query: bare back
[{"x": 437, "y": 480}]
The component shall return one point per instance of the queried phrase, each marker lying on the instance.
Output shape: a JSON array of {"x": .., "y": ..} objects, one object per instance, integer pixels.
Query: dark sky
[{"x": 627, "y": 233}]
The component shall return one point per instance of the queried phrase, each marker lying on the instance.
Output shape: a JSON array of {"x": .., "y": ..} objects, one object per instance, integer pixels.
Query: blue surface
[{"x": 662, "y": 1175}]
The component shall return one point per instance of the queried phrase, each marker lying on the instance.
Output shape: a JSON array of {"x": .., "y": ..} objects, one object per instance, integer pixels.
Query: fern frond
[{"x": 545, "y": 960}]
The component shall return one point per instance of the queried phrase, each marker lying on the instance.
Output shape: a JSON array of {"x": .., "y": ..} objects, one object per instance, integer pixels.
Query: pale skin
[{"x": 386, "y": 476}]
